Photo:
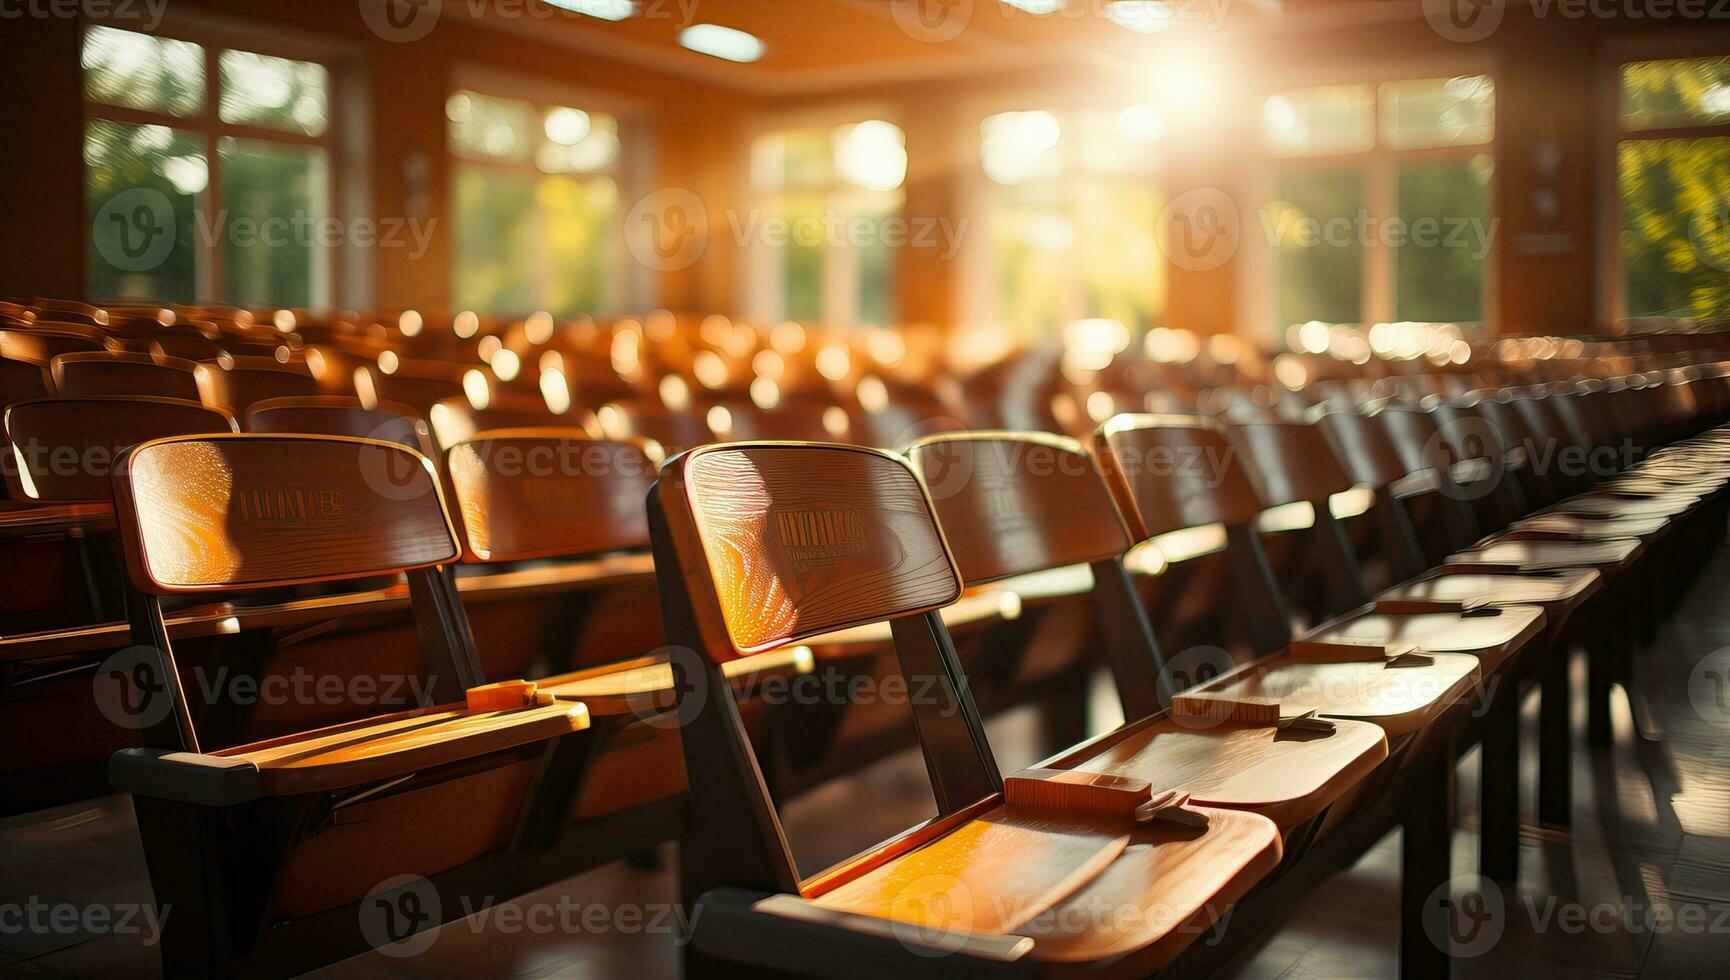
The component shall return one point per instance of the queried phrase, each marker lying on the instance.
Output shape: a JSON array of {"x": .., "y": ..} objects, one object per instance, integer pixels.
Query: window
[
  {"x": 208, "y": 172},
  {"x": 535, "y": 202},
  {"x": 1070, "y": 218},
  {"x": 1673, "y": 171},
  {"x": 826, "y": 222},
  {"x": 1380, "y": 205}
]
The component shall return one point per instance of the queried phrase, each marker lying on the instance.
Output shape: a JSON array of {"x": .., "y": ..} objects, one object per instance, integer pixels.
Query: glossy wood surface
[
  {"x": 1170, "y": 472},
  {"x": 455, "y": 420},
  {"x": 41, "y": 343},
  {"x": 203, "y": 514},
  {"x": 400, "y": 744},
  {"x": 1585, "y": 526},
  {"x": 234, "y": 384},
  {"x": 1161, "y": 894},
  {"x": 1249, "y": 767},
  {"x": 1012, "y": 504},
  {"x": 114, "y": 373},
  {"x": 1490, "y": 634},
  {"x": 645, "y": 684},
  {"x": 1550, "y": 554},
  {"x": 990, "y": 875},
  {"x": 537, "y": 493},
  {"x": 1488, "y": 588},
  {"x": 800, "y": 540},
  {"x": 340, "y": 415},
  {"x": 1399, "y": 699},
  {"x": 1295, "y": 460},
  {"x": 69, "y": 446}
]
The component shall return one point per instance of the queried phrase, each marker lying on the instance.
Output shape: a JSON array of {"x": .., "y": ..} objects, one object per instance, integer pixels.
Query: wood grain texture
[
  {"x": 219, "y": 512},
  {"x": 1245, "y": 767},
  {"x": 990, "y": 875},
  {"x": 104, "y": 373},
  {"x": 539, "y": 493},
  {"x": 1015, "y": 503},
  {"x": 1400, "y": 700},
  {"x": 1171, "y": 472},
  {"x": 340, "y": 415},
  {"x": 800, "y": 540},
  {"x": 1160, "y": 895},
  {"x": 1296, "y": 461},
  {"x": 69, "y": 446},
  {"x": 395, "y": 745}
]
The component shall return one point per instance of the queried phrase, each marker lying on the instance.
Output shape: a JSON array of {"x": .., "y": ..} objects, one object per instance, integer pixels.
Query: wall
[{"x": 407, "y": 85}]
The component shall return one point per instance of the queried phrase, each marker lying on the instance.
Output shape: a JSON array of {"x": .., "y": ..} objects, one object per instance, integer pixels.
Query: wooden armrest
[
  {"x": 646, "y": 683},
  {"x": 189, "y": 777},
  {"x": 1001, "y": 948},
  {"x": 400, "y": 744}
]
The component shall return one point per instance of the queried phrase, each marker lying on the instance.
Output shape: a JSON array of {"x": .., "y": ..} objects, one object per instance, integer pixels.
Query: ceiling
[{"x": 812, "y": 45}]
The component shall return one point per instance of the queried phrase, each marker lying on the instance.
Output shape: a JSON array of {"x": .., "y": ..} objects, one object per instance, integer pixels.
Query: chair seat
[
  {"x": 1585, "y": 527},
  {"x": 400, "y": 744},
  {"x": 1047, "y": 875},
  {"x": 1490, "y": 634},
  {"x": 1286, "y": 778},
  {"x": 1399, "y": 699},
  {"x": 1611, "y": 506},
  {"x": 1493, "y": 588},
  {"x": 1542, "y": 555}
]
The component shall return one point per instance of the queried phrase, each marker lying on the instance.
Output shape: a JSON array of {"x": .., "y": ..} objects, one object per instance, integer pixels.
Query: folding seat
[
  {"x": 758, "y": 546},
  {"x": 234, "y": 384},
  {"x": 563, "y": 593},
  {"x": 57, "y": 558},
  {"x": 298, "y": 850},
  {"x": 115, "y": 373},
  {"x": 1019, "y": 504}
]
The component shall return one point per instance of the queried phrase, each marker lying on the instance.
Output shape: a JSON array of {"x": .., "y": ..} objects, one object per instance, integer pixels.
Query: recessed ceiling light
[
  {"x": 1141, "y": 16},
  {"x": 722, "y": 42},
  {"x": 601, "y": 9}
]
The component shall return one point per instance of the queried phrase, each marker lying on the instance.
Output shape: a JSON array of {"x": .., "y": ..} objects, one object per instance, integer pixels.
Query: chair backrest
[
  {"x": 1362, "y": 446},
  {"x": 1296, "y": 461},
  {"x": 41, "y": 342},
  {"x": 419, "y": 384},
  {"x": 64, "y": 450},
  {"x": 455, "y": 419},
  {"x": 235, "y": 384},
  {"x": 218, "y": 513},
  {"x": 640, "y": 418},
  {"x": 99, "y": 373},
  {"x": 22, "y": 381},
  {"x": 779, "y": 543},
  {"x": 1170, "y": 472},
  {"x": 1011, "y": 503},
  {"x": 550, "y": 492},
  {"x": 341, "y": 415}
]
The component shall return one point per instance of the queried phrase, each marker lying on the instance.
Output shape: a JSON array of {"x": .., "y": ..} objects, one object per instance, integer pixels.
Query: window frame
[
  {"x": 640, "y": 287},
  {"x": 979, "y": 287},
  {"x": 1257, "y": 276},
  {"x": 762, "y": 275},
  {"x": 1611, "y": 300},
  {"x": 340, "y": 274}
]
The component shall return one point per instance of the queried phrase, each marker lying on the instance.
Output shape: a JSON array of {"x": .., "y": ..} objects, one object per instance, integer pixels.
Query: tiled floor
[{"x": 1642, "y": 888}]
